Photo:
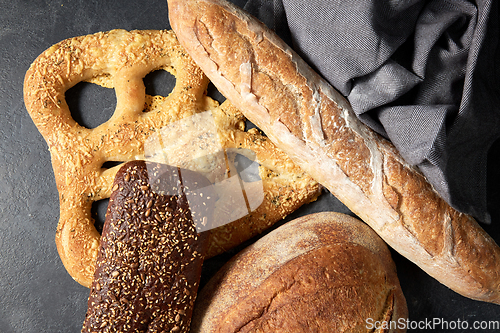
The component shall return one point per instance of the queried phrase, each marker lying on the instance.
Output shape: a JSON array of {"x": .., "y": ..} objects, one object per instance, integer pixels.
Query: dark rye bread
[
  {"x": 150, "y": 256},
  {"x": 324, "y": 272},
  {"x": 305, "y": 117}
]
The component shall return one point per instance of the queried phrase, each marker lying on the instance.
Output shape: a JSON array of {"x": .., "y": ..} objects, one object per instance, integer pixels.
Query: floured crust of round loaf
[
  {"x": 316, "y": 127},
  {"x": 120, "y": 59},
  {"x": 324, "y": 272}
]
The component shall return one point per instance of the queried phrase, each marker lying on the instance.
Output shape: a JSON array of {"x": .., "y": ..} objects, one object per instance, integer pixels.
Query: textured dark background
[{"x": 36, "y": 293}]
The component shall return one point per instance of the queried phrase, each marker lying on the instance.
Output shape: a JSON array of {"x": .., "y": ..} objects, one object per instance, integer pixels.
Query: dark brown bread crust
[
  {"x": 324, "y": 272},
  {"x": 312, "y": 123},
  {"x": 150, "y": 256}
]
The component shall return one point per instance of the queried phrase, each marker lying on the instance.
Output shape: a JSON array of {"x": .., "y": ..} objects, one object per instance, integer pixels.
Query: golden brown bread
[
  {"x": 120, "y": 59},
  {"x": 324, "y": 272},
  {"x": 150, "y": 256},
  {"x": 311, "y": 122}
]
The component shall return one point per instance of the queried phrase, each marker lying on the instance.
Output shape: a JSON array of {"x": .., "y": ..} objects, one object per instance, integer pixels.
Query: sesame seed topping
[{"x": 145, "y": 284}]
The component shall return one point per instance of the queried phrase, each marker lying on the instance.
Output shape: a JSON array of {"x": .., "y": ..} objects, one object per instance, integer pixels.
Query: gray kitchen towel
[{"x": 424, "y": 74}]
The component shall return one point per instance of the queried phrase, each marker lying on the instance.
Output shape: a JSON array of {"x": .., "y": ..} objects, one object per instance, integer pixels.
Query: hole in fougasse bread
[
  {"x": 99, "y": 207},
  {"x": 90, "y": 104},
  {"x": 110, "y": 164},
  {"x": 249, "y": 125},
  {"x": 214, "y": 93},
  {"x": 159, "y": 83},
  {"x": 98, "y": 213},
  {"x": 247, "y": 169}
]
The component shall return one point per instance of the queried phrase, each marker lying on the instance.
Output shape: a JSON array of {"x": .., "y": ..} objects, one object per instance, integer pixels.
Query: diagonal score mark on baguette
[
  {"x": 120, "y": 59},
  {"x": 313, "y": 142},
  {"x": 279, "y": 92}
]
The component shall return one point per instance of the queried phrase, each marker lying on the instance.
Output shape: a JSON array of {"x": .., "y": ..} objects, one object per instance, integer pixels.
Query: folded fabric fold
[{"x": 422, "y": 73}]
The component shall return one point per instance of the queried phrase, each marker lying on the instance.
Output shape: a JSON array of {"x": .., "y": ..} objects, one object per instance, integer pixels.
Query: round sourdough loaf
[{"x": 324, "y": 272}]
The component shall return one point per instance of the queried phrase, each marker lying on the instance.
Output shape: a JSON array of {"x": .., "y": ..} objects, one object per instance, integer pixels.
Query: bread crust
[
  {"x": 120, "y": 59},
  {"x": 150, "y": 255},
  {"x": 323, "y": 272},
  {"x": 311, "y": 122}
]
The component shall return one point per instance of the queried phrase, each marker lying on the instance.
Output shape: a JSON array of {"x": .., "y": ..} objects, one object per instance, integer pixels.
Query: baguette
[
  {"x": 323, "y": 272},
  {"x": 311, "y": 122}
]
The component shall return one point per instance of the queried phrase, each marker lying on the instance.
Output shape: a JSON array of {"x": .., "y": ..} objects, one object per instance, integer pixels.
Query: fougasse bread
[
  {"x": 316, "y": 127},
  {"x": 322, "y": 272},
  {"x": 120, "y": 59}
]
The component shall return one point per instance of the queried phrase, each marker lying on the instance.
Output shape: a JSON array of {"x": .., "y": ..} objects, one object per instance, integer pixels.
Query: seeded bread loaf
[
  {"x": 316, "y": 127},
  {"x": 324, "y": 272},
  {"x": 150, "y": 256}
]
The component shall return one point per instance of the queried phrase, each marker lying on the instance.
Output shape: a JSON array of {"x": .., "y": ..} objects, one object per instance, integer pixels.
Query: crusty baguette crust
[
  {"x": 323, "y": 272},
  {"x": 311, "y": 122}
]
